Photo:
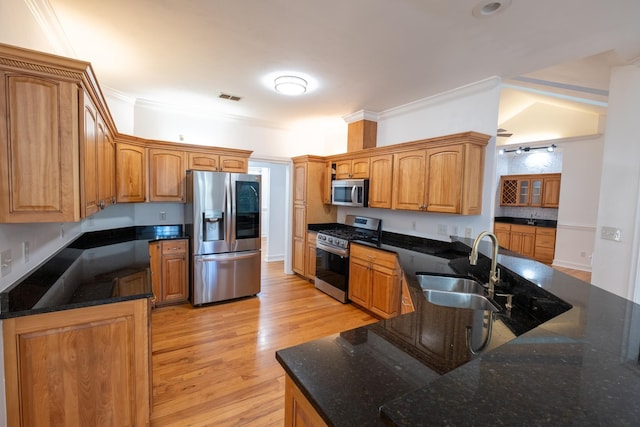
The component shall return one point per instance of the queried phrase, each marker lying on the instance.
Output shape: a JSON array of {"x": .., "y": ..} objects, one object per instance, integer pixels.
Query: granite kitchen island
[{"x": 579, "y": 368}]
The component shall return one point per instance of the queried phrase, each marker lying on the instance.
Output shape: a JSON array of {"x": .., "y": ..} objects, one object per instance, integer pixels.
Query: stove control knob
[{"x": 330, "y": 239}]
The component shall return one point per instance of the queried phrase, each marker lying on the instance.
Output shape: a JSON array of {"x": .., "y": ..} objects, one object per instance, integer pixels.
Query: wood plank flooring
[{"x": 216, "y": 366}]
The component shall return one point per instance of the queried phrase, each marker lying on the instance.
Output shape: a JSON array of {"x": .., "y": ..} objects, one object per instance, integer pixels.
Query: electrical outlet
[
  {"x": 468, "y": 232},
  {"x": 611, "y": 233},
  {"x": 163, "y": 216},
  {"x": 25, "y": 251},
  {"x": 62, "y": 231},
  {"x": 583, "y": 254},
  {"x": 5, "y": 262},
  {"x": 413, "y": 226},
  {"x": 454, "y": 230},
  {"x": 443, "y": 230}
]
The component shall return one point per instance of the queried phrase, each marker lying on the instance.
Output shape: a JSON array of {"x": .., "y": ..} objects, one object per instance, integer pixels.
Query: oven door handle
[{"x": 336, "y": 251}]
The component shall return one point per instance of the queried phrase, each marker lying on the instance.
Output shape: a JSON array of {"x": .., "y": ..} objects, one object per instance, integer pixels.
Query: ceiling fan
[{"x": 504, "y": 133}]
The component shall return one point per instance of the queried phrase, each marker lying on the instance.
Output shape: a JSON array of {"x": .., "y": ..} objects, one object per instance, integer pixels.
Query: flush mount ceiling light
[
  {"x": 485, "y": 8},
  {"x": 290, "y": 85}
]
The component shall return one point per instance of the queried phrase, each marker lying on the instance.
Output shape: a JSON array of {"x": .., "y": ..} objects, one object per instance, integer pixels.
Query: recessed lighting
[
  {"x": 290, "y": 85},
  {"x": 489, "y": 8}
]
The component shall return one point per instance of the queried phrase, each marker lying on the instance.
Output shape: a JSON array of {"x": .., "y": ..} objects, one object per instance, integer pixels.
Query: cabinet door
[
  {"x": 39, "y": 149},
  {"x": 551, "y": 191},
  {"x": 523, "y": 192},
  {"x": 536, "y": 192},
  {"x": 343, "y": 169},
  {"x": 233, "y": 164},
  {"x": 131, "y": 174},
  {"x": 385, "y": 292},
  {"x": 174, "y": 277},
  {"x": 166, "y": 175},
  {"x": 204, "y": 162},
  {"x": 106, "y": 165},
  {"x": 409, "y": 180},
  {"x": 444, "y": 179},
  {"x": 81, "y": 367},
  {"x": 299, "y": 239},
  {"x": 360, "y": 282},
  {"x": 90, "y": 149},
  {"x": 380, "y": 181},
  {"x": 298, "y": 411},
  {"x": 360, "y": 168},
  {"x": 528, "y": 244},
  {"x": 503, "y": 233},
  {"x": 310, "y": 270},
  {"x": 299, "y": 182}
]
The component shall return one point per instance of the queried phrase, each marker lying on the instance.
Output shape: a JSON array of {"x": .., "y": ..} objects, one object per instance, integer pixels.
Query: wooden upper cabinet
[
  {"x": 409, "y": 180},
  {"x": 131, "y": 167},
  {"x": 300, "y": 182},
  {"x": 551, "y": 191},
  {"x": 89, "y": 166},
  {"x": 217, "y": 163},
  {"x": 444, "y": 179},
  {"x": 380, "y": 181},
  {"x": 39, "y": 149},
  {"x": 352, "y": 168},
  {"x": 166, "y": 175},
  {"x": 538, "y": 190}
]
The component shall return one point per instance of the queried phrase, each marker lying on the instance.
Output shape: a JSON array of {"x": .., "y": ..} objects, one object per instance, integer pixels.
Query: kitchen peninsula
[
  {"x": 76, "y": 332},
  {"x": 579, "y": 368}
]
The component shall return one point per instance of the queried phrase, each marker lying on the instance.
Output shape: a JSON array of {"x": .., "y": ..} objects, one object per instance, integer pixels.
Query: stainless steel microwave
[{"x": 350, "y": 192}]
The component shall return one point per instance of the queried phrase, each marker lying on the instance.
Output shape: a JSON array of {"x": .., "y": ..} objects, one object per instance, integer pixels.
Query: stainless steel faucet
[{"x": 494, "y": 274}]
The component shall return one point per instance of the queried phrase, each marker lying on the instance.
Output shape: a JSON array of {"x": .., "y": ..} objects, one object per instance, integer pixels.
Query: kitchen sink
[
  {"x": 449, "y": 283},
  {"x": 453, "y": 299},
  {"x": 455, "y": 291}
]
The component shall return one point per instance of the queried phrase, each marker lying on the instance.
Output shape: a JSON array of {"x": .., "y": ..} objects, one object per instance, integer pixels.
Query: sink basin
[
  {"x": 468, "y": 300},
  {"x": 449, "y": 283}
]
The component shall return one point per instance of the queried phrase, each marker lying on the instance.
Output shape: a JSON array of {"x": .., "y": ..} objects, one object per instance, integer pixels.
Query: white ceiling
[{"x": 360, "y": 54}]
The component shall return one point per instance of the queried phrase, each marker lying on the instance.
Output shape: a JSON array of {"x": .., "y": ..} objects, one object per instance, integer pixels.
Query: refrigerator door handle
[{"x": 231, "y": 229}]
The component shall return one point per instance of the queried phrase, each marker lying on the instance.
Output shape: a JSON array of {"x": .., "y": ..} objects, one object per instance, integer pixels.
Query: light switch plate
[{"x": 611, "y": 233}]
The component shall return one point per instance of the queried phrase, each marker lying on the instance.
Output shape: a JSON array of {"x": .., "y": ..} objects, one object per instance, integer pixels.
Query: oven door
[{"x": 332, "y": 271}]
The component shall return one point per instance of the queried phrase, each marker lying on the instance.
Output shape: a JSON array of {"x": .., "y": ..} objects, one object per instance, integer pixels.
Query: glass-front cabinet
[{"x": 541, "y": 190}]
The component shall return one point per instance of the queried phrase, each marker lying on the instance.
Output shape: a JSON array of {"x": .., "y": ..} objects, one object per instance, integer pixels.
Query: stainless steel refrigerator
[{"x": 222, "y": 219}]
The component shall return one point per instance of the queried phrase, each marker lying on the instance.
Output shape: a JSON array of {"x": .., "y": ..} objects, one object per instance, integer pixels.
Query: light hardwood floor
[{"x": 216, "y": 366}]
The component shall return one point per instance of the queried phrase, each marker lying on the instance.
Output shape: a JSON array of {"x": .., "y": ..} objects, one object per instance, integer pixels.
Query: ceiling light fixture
[
  {"x": 290, "y": 85},
  {"x": 550, "y": 148}
]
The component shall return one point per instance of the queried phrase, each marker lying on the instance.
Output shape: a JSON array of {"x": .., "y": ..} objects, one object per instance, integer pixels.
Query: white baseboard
[
  {"x": 572, "y": 265},
  {"x": 273, "y": 258}
]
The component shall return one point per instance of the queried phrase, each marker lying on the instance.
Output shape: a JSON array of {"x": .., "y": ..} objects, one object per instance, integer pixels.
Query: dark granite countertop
[
  {"x": 87, "y": 272},
  {"x": 579, "y": 368},
  {"x": 551, "y": 223}
]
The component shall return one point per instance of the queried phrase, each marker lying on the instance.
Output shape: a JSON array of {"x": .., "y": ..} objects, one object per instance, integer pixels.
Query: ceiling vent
[{"x": 229, "y": 97}]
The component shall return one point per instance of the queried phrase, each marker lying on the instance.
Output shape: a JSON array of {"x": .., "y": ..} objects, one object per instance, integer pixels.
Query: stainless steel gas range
[{"x": 332, "y": 253}]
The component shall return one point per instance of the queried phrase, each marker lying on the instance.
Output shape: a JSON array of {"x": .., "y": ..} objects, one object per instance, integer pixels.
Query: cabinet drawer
[
  {"x": 523, "y": 229},
  {"x": 545, "y": 231},
  {"x": 501, "y": 226},
  {"x": 174, "y": 246},
  {"x": 543, "y": 241},
  {"x": 381, "y": 258},
  {"x": 544, "y": 254}
]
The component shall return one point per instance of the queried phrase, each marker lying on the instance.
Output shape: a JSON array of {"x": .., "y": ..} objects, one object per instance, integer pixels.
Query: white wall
[
  {"x": 579, "y": 199},
  {"x": 615, "y": 263}
]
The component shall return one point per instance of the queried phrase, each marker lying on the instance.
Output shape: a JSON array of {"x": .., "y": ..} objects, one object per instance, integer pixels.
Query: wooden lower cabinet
[
  {"x": 523, "y": 240},
  {"x": 80, "y": 367},
  {"x": 374, "y": 281},
  {"x": 169, "y": 271},
  {"x": 503, "y": 233},
  {"x": 545, "y": 247},
  {"x": 310, "y": 270},
  {"x": 436, "y": 334},
  {"x": 298, "y": 411}
]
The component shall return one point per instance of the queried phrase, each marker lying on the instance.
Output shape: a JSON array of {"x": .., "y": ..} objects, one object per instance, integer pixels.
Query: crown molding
[
  {"x": 450, "y": 95},
  {"x": 50, "y": 25},
  {"x": 361, "y": 115}
]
